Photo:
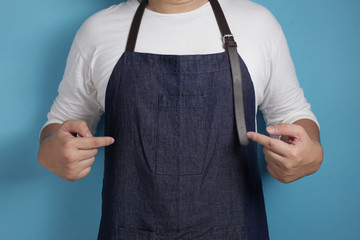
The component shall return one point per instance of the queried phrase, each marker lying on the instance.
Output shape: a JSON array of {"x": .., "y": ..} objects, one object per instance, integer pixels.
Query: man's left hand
[{"x": 292, "y": 158}]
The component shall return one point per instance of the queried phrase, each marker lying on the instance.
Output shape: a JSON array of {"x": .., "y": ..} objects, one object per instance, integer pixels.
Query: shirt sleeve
[
  {"x": 284, "y": 100},
  {"x": 77, "y": 95}
]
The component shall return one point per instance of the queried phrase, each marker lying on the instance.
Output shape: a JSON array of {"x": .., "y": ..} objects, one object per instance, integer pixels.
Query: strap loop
[{"x": 229, "y": 41}]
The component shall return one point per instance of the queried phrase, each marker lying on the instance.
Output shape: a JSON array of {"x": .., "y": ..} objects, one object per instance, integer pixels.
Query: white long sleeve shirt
[{"x": 101, "y": 41}]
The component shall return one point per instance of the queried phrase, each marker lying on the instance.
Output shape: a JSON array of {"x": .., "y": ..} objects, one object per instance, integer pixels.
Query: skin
[
  {"x": 174, "y": 6},
  {"x": 69, "y": 149},
  {"x": 296, "y": 155}
]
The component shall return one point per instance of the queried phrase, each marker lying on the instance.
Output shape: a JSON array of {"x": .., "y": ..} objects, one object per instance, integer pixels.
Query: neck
[{"x": 174, "y": 6}]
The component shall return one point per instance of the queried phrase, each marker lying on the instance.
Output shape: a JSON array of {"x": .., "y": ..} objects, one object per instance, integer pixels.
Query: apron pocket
[{"x": 181, "y": 136}]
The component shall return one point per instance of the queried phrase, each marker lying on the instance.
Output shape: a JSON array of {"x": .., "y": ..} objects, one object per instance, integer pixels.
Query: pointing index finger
[
  {"x": 87, "y": 143},
  {"x": 274, "y": 145},
  {"x": 285, "y": 129}
]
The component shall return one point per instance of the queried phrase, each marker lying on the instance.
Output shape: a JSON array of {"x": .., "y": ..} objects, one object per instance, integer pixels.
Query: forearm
[
  {"x": 48, "y": 131},
  {"x": 311, "y": 128}
]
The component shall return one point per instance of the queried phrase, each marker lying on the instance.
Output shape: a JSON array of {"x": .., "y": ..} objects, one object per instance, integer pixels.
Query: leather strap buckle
[
  {"x": 225, "y": 37},
  {"x": 229, "y": 41}
]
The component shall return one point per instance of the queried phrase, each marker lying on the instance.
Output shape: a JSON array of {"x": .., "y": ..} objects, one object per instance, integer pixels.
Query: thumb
[
  {"x": 76, "y": 127},
  {"x": 285, "y": 129}
]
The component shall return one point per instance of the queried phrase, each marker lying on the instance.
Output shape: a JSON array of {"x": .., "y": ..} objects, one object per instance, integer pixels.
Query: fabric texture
[
  {"x": 176, "y": 169},
  {"x": 101, "y": 41}
]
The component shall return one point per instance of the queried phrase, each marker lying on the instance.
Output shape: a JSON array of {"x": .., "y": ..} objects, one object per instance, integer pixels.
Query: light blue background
[{"x": 35, "y": 37}]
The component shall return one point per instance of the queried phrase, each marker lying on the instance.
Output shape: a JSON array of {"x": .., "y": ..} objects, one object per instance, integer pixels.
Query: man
[{"x": 174, "y": 166}]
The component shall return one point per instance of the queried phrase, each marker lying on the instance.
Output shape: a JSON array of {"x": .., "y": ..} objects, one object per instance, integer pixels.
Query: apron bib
[{"x": 177, "y": 169}]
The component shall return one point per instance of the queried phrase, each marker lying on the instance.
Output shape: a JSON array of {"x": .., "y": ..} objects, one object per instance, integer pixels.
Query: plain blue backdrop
[{"x": 35, "y": 37}]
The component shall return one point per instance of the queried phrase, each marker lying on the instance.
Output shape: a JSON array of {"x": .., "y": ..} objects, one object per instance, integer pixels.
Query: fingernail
[
  {"x": 112, "y": 140},
  {"x": 249, "y": 135},
  {"x": 89, "y": 134},
  {"x": 270, "y": 129}
]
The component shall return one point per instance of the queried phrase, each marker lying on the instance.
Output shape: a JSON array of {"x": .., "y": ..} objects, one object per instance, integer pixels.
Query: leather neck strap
[
  {"x": 231, "y": 48},
  {"x": 228, "y": 38},
  {"x": 135, "y": 25}
]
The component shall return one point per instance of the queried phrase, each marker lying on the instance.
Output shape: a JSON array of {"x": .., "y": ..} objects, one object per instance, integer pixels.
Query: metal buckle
[{"x": 226, "y": 36}]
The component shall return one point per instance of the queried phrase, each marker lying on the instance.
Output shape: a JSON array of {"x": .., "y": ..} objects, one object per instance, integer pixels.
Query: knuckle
[
  {"x": 69, "y": 157},
  {"x": 288, "y": 166},
  {"x": 68, "y": 144},
  {"x": 70, "y": 177},
  {"x": 95, "y": 143},
  {"x": 85, "y": 172},
  {"x": 288, "y": 174},
  {"x": 269, "y": 144},
  {"x": 286, "y": 180},
  {"x": 88, "y": 170},
  {"x": 69, "y": 169},
  {"x": 294, "y": 154},
  {"x": 95, "y": 152},
  {"x": 82, "y": 124},
  {"x": 264, "y": 152},
  {"x": 91, "y": 161}
]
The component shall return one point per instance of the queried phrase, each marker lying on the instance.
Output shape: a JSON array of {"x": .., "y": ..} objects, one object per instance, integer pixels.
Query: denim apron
[{"x": 177, "y": 169}]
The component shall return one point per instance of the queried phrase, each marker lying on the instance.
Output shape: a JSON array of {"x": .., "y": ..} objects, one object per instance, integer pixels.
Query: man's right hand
[{"x": 69, "y": 149}]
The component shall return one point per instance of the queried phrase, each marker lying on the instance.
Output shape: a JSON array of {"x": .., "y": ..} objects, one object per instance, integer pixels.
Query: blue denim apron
[{"x": 176, "y": 169}]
